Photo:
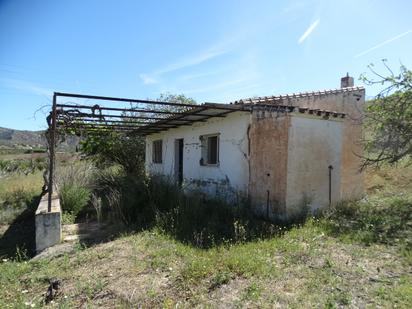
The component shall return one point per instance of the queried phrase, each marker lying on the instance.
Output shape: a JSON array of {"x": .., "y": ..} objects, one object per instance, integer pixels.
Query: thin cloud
[
  {"x": 383, "y": 43},
  {"x": 147, "y": 80},
  {"x": 27, "y": 86},
  {"x": 189, "y": 77},
  {"x": 192, "y": 61},
  {"x": 152, "y": 78},
  {"x": 308, "y": 31}
]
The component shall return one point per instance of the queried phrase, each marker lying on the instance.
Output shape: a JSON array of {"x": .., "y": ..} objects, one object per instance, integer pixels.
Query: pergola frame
[{"x": 146, "y": 117}]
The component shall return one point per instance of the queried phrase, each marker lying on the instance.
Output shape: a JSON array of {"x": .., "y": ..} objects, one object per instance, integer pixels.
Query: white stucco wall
[
  {"x": 232, "y": 173},
  {"x": 314, "y": 144}
]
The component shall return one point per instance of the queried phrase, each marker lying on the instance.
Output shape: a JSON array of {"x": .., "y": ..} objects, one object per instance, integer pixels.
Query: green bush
[
  {"x": 75, "y": 183},
  {"x": 68, "y": 218},
  {"x": 74, "y": 198}
]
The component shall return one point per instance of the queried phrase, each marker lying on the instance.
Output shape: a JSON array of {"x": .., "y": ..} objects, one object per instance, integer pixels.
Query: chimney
[{"x": 346, "y": 81}]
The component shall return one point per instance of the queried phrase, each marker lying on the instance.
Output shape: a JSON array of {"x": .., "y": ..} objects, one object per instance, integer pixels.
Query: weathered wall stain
[
  {"x": 314, "y": 145},
  {"x": 229, "y": 176},
  {"x": 351, "y": 103},
  {"x": 268, "y": 162}
]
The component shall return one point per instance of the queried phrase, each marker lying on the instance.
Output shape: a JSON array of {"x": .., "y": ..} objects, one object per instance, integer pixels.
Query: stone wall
[{"x": 48, "y": 224}]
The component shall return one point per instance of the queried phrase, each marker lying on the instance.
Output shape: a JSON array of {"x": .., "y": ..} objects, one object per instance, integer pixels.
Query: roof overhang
[{"x": 142, "y": 117}]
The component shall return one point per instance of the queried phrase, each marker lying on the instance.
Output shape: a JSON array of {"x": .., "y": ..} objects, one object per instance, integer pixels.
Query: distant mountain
[{"x": 22, "y": 139}]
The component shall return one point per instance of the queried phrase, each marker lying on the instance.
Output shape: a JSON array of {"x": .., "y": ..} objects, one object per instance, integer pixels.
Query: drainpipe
[
  {"x": 268, "y": 200},
  {"x": 330, "y": 167}
]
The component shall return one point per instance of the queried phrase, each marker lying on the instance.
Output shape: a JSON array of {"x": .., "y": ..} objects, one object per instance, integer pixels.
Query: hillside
[
  {"x": 22, "y": 139},
  {"x": 11, "y": 138}
]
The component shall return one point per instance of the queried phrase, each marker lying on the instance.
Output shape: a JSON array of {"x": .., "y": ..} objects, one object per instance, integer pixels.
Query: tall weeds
[
  {"x": 143, "y": 202},
  {"x": 75, "y": 182}
]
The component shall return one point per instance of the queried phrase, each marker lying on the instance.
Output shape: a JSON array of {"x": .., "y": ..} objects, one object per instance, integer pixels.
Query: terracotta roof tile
[{"x": 267, "y": 99}]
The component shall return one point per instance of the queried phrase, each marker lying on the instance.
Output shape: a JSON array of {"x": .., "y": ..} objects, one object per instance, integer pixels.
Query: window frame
[
  {"x": 157, "y": 154},
  {"x": 205, "y": 149}
]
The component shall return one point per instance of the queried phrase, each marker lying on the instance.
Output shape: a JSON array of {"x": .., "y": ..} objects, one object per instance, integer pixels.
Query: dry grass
[
  {"x": 31, "y": 182},
  {"x": 16, "y": 192},
  {"x": 149, "y": 269}
]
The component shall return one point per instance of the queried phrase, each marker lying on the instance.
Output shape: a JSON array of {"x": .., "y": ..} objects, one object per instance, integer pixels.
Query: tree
[
  {"x": 109, "y": 148},
  {"x": 389, "y": 117}
]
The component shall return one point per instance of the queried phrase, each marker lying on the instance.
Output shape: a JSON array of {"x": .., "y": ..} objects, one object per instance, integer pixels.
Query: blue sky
[{"x": 216, "y": 51}]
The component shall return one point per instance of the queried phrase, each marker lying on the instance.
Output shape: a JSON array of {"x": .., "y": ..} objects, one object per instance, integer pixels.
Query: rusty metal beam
[
  {"x": 52, "y": 143},
  {"x": 100, "y": 116},
  {"x": 194, "y": 111},
  {"x": 132, "y": 122},
  {"x": 104, "y": 98}
]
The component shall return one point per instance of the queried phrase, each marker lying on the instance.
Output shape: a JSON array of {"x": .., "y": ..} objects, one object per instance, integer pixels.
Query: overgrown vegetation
[
  {"x": 19, "y": 196},
  {"x": 376, "y": 220},
  {"x": 75, "y": 182},
  {"x": 22, "y": 166},
  {"x": 17, "y": 193},
  {"x": 389, "y": 117},
  {"x": 357, "y": 255},
  {"x": 74, "y": 198},
  {"x": 192, "y": 218}
]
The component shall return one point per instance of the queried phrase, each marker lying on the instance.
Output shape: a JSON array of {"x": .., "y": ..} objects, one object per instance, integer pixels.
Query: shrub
[
  {"x": 68, "y": 218},
  {"x": 125, "y": 195},
  {"x": 75, "y": 184},
  {"x": 74, "y": 198}
]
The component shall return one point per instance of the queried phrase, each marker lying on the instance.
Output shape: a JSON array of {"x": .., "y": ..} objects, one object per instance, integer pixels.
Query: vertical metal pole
[
  {"x": 330, "y": 167},
  {"x": 52, "y": 153}
]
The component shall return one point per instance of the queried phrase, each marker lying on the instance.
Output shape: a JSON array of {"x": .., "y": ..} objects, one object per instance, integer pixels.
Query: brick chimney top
[{"x": 347, "y": 81}]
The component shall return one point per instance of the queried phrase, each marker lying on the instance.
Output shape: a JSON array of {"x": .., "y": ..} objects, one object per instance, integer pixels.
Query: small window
[
  {"x": 210, "y": 149},
  {"x": 157, "y": 151}
]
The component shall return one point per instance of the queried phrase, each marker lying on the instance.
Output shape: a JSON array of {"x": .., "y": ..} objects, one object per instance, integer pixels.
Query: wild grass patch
[
  {"x": 376, "y": 220},
  {"x": 18, "y": 192},
  {"x": 23, "y": 166}
]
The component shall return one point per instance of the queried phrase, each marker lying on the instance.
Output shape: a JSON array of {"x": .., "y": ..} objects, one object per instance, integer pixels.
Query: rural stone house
[{"x": 285, "y": 153}]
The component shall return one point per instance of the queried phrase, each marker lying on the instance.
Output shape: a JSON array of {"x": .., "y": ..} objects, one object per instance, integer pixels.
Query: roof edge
[{"x": 299, "y": 95}]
